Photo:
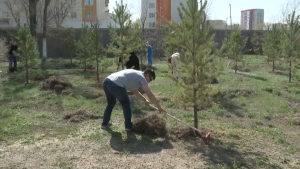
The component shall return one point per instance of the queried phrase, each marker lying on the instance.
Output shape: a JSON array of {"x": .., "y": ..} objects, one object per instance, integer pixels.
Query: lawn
[{"x": 254, "y": 122}]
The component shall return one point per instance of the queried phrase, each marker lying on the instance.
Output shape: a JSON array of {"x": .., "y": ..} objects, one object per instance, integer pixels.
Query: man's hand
[{"x": 147, "y": 103}]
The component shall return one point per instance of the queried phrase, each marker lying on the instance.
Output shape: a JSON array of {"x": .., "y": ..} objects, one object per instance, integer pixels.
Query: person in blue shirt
[{"x": 149, "y": 53}]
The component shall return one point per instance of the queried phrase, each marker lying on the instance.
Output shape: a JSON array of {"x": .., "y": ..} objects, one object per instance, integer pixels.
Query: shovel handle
[{"x": 176, "y": 119}]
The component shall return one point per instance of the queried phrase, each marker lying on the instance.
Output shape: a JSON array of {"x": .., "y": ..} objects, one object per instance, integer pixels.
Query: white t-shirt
[
  {"x": 130, "y": 79},
  {"x": 175, "y": 55}
]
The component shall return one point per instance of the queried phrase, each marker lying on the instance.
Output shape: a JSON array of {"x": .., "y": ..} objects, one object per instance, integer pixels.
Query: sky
[{"x": 220, "y": 9}]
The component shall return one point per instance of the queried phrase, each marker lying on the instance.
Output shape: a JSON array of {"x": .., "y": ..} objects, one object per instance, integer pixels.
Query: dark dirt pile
[
  {"x": 184, "y": 133},
  {"x": 146, "y": 66},
  {"x": 150, "y": 125},
  {"x": 296, "y": 119},
  {"x": 80, "y": 115},
  {"x": 56, "y": 83},
  {"x": 41, "y": 77}
]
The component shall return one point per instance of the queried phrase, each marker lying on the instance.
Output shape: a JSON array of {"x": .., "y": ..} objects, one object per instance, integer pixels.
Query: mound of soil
[
  {"x": 185, "y": 133},
  {"x": 150, "y": 125},
  {"x": 80, "y": 115},
  {"x": 296, "y": 119},
  {"x": 56, "y": 83},
  {"x": 41, "y": 77},
  {"x": 146, "y": 66}
]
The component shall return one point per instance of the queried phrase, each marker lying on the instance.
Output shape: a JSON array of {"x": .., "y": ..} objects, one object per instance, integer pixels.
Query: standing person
[
  {"x": 12, "y": 58},
  {"x": 174, "y": 61},
  {"x": 133, "y": 62},
  {"x": 149, "y": 53},
  {"x": 115, "y": 87}
]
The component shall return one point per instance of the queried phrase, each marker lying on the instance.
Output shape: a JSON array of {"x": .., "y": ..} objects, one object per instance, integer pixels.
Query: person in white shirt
[{"x": 174, "y": 61}]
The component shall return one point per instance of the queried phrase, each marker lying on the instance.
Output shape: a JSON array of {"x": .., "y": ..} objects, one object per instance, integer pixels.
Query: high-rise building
[
  {"x": 166, "y": 8},
  {"x": 252, "y": 19}
]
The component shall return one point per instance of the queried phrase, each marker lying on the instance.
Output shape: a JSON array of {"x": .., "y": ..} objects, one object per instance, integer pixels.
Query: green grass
[
  {"x": 246, "y": 119},
  {"x": 13, "y": 123}
]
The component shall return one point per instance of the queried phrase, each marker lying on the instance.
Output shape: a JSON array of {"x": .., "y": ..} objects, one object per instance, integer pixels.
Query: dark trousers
[
  {"x": 12, "y": 63},
  {"x": 114, "y": 92}
]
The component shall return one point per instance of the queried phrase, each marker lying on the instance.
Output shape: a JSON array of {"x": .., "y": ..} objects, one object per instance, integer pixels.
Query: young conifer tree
[
  {"x": 26, "y": 50},
  {"x": 257, "y": 43},
  {"x": 198, "y": 65},
  {"x": 129, "y": 38},
  {"x": 290, "y": 44},
  {"x": 234, "y": 46},
  {"x": 271, "y": 45},
  {"x": 98, "y": 50},
  {"x": 70, "y": 43},
  {"x": 84, "y": 49}
]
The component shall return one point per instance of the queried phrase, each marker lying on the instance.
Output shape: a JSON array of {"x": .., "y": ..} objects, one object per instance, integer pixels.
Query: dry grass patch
[{"x": 80, "y": 116}]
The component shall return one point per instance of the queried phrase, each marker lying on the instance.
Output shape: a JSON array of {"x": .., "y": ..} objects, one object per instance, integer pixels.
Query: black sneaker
[{"x": 106, "y": 126}]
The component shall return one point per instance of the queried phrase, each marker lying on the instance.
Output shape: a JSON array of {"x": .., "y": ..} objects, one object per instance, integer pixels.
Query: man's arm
[
  {"x": 139, "y": 95},
  {"x": 151, "y": 96}
]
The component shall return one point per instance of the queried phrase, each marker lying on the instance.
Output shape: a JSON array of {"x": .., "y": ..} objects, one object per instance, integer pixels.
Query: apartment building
[
  {"x": 79, "y": 12},
  {"x": 166, "y": 8},
  {"x": 252, "y": 19}
]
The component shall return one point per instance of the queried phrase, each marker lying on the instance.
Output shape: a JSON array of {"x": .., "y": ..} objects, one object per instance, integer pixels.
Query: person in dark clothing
[
  {"x": 12, "y": 57},
  {"x": 133, "y": 62}
]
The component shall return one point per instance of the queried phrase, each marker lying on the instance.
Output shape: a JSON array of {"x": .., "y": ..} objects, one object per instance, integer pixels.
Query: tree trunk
[
  {"x": 32, "y": 17},
  {"x": 141, "y": 57},
  {"x": 235, "y": 65},
  {"x": 85, "y": 66},
  {"x": 32, "y": 20},
  {"x": 26, "y": 76},
  {"x": 290, "y": 72},
  {"x": 195, "y": 115},
  {"x": 97, "y": 60},
  {"x": 273, "y": 64},
  {"x": 122, "y": 62},
  {"x": 98, "y": 79},
  {"x": 47, "y": 2}
]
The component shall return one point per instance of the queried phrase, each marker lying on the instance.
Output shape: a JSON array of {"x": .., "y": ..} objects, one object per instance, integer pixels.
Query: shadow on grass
[
  {"x": 12, "y": 91},
  {"x": 253, "y": 76},
  {"x": 225, "y": 100},
  {"x": 220, "y": 153},
  {"x": 131, "y": 144}
]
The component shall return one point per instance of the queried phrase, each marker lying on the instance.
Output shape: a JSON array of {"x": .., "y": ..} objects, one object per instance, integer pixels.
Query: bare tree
[
  {"x": 144, "y": 13},
  {"x": 25, "y": 7},
  {"x": 47, "y": 2},
  {"x": 288, "y": 8},
  {"x": 32, "y": 17},
  {"x": 15, "y": 10},
  {"x": 60, "y": 9}
]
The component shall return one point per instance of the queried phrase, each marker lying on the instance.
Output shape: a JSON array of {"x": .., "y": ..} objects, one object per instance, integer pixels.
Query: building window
[
  {"x": 151, "y": 24},
  {"x": 4, "y": 21},
  {"x": 73, "y": 15},
  {"x": 151, "y": 15},
  {"x": 88, "y": 2},
  {"x": 5, "y": 14},
  {"x": 151, "y": 5},
  {"x": 88, "y": 15}
]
